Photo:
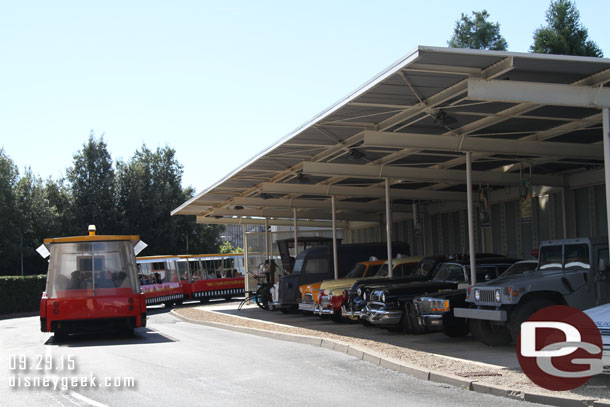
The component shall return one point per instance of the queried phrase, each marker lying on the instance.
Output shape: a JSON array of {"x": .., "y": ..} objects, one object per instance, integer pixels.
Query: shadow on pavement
[
  {"x": 141, "y": 336},
  {"x": 434, "y": 342}
]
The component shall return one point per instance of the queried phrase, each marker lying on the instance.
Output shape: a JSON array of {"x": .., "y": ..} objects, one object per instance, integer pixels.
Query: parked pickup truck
[
  {"x": 435, "y": 312},
  {"x": 570, "y": 272},
  {"x": 391, "y": 305},
  {"x": 601, "y": 316}
]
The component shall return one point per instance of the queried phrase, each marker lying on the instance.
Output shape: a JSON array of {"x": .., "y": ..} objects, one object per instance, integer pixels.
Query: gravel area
[{"x": 597, "y": 388}]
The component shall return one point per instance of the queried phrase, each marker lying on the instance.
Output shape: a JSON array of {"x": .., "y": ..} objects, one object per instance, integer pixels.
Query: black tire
[
  {"x": 455, "y": 327},
  {"x": 284, "y": 310},
  {"x": 204, "y": 300},
  {"x": 60, "y": 335},
  {"x": 365, "y": 323},
  {"x": 263, "y": 297},
  {"x": 410, "y": 321},
  {"x": 228, "y": 298},
  {"x": 488, "y": 333},
  {"x": 337, "y": 317},
  {"x": 523, "y": 312}
]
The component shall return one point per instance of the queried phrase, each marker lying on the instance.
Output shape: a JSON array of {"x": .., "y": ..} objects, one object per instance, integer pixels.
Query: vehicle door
[{"x": 603, "y": 275}]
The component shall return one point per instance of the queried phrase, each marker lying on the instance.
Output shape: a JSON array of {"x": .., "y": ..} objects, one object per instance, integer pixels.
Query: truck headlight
[
  {"x": 359, "y": 292},
  {"x": 498, "y": 295},
  {"x": 477, "y": 294},
  {"x": 383, "y": 297},
  {"x": 364, "y": 295}
]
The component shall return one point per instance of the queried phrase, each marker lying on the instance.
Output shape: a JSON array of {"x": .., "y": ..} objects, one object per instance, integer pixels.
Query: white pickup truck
[{"x": 601, "y": 316}]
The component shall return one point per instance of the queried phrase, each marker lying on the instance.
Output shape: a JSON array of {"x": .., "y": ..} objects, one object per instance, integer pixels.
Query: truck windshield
[
  {"x": 550, "y": 257},
  {"x": 577, "y": 255},
  {"x": 92, "y": 269}
]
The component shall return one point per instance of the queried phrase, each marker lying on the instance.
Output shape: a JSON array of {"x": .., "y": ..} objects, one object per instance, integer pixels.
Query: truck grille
[
  {"x": 488, "y": 296},
  {"x": 376, "y": 296}
]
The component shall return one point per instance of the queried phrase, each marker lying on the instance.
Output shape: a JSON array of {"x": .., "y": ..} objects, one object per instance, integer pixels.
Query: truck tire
[
  {"x": 523, "y": 312},
  {"x": 410, "y": 321},
  {"x": 337, "y": 316},
  {"x": 455, "y": 327},
  {"x": 490, "y": 334}
]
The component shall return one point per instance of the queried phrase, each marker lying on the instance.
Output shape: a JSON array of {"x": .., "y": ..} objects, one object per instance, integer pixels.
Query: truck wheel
[
  {"x": 337, "y": 316},
  {"x": 409, "y": 320},
  {"x": 488, "y": 333},
  {"x": 523, "y": 312},
  {"x": 455, "y": 327}
]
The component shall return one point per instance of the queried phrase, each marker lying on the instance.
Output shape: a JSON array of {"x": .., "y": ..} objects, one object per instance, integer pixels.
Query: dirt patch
[{"x": 598, "y": 388}]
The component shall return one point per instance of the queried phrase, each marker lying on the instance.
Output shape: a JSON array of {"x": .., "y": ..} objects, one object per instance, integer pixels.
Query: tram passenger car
[
  {"x": 212, "y": 275},
  {"x": 92, "y": 284},
  {"x": 160, "y": 280}
]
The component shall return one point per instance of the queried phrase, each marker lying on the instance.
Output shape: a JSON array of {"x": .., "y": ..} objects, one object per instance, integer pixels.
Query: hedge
[{"x": 21, "y": 294}]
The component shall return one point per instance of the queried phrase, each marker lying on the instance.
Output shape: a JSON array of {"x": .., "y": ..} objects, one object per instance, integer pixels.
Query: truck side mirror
[{"x": 602, "y": 265}]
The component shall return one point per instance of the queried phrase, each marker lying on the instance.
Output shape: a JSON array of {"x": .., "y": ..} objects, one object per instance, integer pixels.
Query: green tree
[
  {"x": 36, "y": 220},
  {"x": 148, "y": 188},
  {"x": 564, "y": 34},
  {"x": 477, "y": 33},
  {"x": 9, "y": 233},
  {"x": 92, "y": 184}
]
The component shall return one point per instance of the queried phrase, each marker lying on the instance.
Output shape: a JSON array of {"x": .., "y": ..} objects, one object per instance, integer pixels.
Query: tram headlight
[{"x": 477, "y": 294}]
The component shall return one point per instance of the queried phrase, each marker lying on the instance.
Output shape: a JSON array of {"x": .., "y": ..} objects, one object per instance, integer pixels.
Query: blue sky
[{"x": 217, "y": 81}]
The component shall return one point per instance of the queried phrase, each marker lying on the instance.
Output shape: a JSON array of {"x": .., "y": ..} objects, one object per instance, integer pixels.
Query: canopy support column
[
  {"x": 388, "y": 226},
  {"x": 473, "y": 261},
  {"x": 295, "y": 232},
  {"x": 335, "y": 260},
  {"x": 267, "y": 254},
  {"x": 606, "y": 127}
]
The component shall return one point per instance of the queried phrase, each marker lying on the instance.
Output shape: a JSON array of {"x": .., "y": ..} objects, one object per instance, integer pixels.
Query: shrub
[{"x": 21, "y": 294}]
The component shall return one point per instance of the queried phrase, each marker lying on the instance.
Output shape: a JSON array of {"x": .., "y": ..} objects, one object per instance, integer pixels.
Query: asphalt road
[{"x": 177, "y": 363}]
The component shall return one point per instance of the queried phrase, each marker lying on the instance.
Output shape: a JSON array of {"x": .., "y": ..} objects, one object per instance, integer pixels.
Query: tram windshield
[{"x": 92, "y": 269}]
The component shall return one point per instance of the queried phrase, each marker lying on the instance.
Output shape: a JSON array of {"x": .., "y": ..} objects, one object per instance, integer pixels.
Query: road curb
[{"x": 402, "y": 367}]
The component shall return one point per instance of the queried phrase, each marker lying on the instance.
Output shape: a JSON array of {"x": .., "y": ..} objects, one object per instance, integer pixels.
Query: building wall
[{"x": 444, "y": 232}]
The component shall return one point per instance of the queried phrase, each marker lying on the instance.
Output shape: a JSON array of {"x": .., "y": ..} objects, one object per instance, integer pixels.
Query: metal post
[
  {"x": 388, "y": 226},
  {"x": 473, "y": 262},
  {"x": 267, "y": 239},
  {"x": 295, "y": 232},
  {"x": 564, "y": 218},
  {"x": 606, "y": 122},
  {"x": 335, "y": 262},
  {"x": 247, "y": 275}
]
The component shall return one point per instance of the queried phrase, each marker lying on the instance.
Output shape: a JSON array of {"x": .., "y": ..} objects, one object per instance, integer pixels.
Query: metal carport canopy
[
  {"x": 425, "y": 130},
  {"x": 412, "y": 123}
]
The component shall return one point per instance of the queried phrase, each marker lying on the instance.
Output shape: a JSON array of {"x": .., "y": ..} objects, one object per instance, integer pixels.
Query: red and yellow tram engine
[{"x": 92, "y": 284}]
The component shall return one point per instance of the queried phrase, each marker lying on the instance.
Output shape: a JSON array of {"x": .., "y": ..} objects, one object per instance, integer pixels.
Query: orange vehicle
[
  {"x": 160, "y": 280},
  {"x": 310, "y": 293},
  {"x": 92, "y": 284}
]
